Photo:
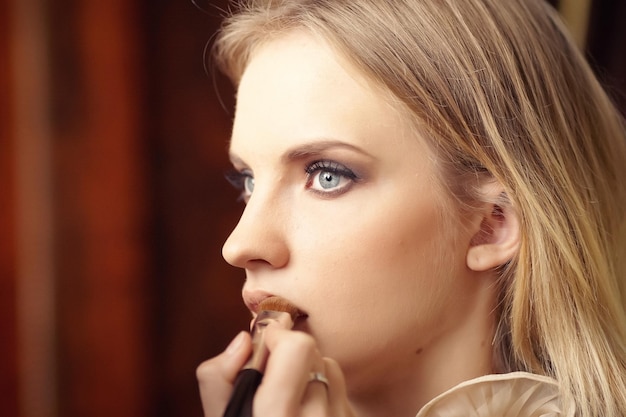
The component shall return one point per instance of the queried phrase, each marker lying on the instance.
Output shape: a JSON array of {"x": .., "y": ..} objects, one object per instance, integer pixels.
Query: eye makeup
[
  {"x": 242, "y": 181},
  {"x": 329, "y": 177}
]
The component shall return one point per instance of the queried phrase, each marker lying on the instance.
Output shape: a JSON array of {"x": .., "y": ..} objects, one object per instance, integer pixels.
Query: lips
[{"x": 253, "y": 300}]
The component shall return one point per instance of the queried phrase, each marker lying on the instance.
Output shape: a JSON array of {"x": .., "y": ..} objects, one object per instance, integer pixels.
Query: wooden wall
[
  {"x": 113, "y": 207},
  {"x": 101, "y": 211},
  {"x": 8, "y": 272}
]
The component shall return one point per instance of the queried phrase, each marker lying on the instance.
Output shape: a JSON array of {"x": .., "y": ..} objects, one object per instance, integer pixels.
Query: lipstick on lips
[{"x": 272, "y": 309}]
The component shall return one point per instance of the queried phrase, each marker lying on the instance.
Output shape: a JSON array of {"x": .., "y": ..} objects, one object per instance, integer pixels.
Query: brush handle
[{"x": 246, "y": 384}]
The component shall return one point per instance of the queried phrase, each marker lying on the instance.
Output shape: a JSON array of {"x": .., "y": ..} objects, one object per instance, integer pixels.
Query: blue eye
[
  {"x": 328, "y": 180},
  {"x": 248, "y": 184},
  {"x": 329, "y": 177},
  {"x": 242, "y": 181}
]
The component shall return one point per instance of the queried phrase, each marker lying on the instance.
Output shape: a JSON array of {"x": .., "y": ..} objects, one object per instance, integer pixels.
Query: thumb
[{"x": 216, "y": 375}]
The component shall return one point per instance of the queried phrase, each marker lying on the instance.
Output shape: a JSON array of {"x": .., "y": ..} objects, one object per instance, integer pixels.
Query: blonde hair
[{"x": 502, "y": 91}]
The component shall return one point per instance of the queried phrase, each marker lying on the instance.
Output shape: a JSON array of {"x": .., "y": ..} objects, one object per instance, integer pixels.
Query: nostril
[
  {"x": 259, "y": 238},
  {"x": 253, "y": 249},
  {"x": 255, "y": 255},
  {"x": 233, "y": 253}
]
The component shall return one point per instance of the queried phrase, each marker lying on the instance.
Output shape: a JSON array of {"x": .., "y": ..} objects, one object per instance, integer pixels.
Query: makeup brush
[{"x": 272, "y": 309}]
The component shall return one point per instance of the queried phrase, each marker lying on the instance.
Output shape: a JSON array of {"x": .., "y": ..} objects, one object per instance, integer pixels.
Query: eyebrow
[
  {"x": 318, "y": 147},
  {"x": 234, "y": 159},
  {"x": 307, "y": 150}
]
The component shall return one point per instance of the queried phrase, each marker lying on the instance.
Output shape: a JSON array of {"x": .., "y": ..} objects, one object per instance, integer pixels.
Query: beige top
[{"x": 516, "y": 394}]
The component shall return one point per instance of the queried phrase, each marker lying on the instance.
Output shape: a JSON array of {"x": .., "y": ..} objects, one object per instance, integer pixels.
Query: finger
[
  {"x": 216, "y": 376},
  {"x": 338, "y": 395},
  {"x": 317, "y": 382},
  {"x": 315, "y": 401},
  {"x": 292, "y": 357}
]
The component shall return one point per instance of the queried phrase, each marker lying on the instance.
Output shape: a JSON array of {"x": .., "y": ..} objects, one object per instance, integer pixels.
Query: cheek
[
  {"x": 395, "y": 240},
  {"x": 383, "y": 246},
  {"x": 388, "y": 259}
]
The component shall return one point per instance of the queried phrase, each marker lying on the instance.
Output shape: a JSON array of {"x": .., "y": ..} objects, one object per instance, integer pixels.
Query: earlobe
[{"x": 497, "y": 237}]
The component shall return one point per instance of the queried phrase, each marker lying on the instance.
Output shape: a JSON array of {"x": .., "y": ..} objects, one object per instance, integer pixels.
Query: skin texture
[{"x": 346, "y": 219}]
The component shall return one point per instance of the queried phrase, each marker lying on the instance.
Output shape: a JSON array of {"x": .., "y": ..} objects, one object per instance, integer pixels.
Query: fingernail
[{"x": 235, "y": 344}]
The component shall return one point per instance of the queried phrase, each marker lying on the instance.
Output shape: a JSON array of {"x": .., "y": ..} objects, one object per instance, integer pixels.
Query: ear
[{"x": 497, "y": 232}]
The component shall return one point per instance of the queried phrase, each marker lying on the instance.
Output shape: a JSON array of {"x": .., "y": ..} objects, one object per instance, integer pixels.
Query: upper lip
[{"x": 253, "y": 299}]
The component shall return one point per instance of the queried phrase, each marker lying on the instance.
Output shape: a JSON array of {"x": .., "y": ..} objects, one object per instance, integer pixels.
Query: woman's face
[{"x": 345, "y": 216}]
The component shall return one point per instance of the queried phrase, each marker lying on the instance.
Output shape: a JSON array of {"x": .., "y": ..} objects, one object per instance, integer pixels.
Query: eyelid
[
  {"x": 329, "y": 165},
  {"x": 237, "y": 178},
  {"x": 333, "y": 167}
]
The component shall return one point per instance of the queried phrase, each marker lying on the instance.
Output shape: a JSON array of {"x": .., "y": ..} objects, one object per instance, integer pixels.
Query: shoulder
[{"x": 518, "y": 394}]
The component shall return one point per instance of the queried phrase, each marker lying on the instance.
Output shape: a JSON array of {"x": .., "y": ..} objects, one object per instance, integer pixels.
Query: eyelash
[
  {"x": 334, "y": 168},
  {"x": 238, "y": 178}
]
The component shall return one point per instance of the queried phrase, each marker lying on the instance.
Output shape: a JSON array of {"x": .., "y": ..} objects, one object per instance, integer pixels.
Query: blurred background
[{"x": 113, "y": 206}]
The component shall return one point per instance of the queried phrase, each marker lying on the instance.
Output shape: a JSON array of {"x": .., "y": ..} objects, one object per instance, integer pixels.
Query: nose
[{"x": 259, "y": 237}]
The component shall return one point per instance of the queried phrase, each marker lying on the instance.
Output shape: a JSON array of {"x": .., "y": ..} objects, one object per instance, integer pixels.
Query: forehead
[
  {"x": 297, "y": 85},
  {"x": 297, "y": 66}
]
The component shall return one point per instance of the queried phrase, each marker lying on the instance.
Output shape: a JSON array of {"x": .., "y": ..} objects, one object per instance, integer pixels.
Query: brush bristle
[{"x": 279, "y": 304}]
